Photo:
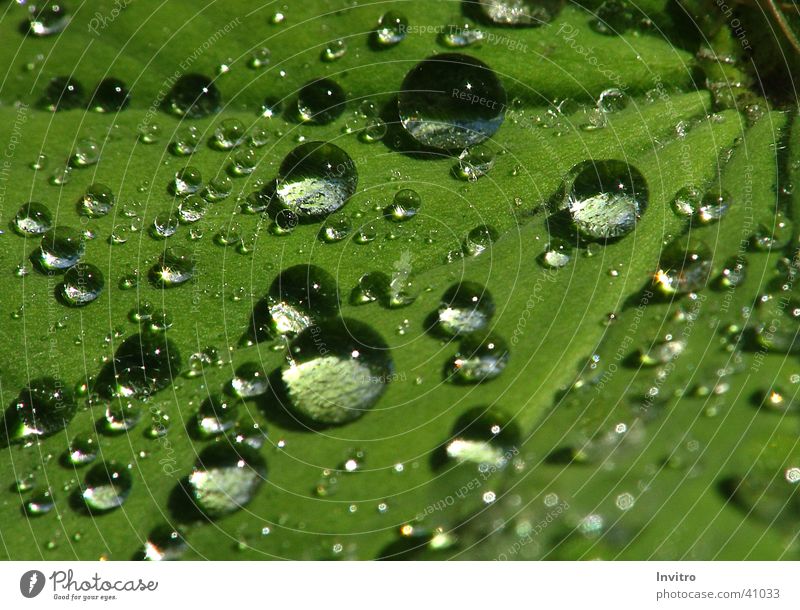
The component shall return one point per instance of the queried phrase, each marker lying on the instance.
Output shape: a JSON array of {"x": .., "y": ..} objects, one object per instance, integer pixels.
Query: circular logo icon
[{"x": 31, "y": 583}]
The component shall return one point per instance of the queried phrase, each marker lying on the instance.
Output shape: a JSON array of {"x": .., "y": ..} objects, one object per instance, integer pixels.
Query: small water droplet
[{"x": 106, "y": 487}]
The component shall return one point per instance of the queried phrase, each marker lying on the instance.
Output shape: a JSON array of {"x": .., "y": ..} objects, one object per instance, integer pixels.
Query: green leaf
[{"x": 674, "y": 462}]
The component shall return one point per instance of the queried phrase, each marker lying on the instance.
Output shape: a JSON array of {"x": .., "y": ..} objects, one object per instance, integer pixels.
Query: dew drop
[
  {"x": 336, "y": 371},
  {"x": 61, "y": 248},
  {"x": 479, "y": 358},
  {"x": 316, "y": 179},
  {"x": 143, "y": 364},
  {"x": 301, "y": 296},
  {"x": 111, "y": 95},
  {"x": 121, "y": 417},
  {"x": 33, "y": 218},
  {"x": 193, "y": 96},
  {"x": 226, "y": 478},
  {"x": 605, "y": 199},
  {"x": 436, "y": 102},
  {"x": 229, "y": 134},
  {"x": 187, "y": 181},
  {"x": 249, "y": 381},
  {"x": 106, "y": 487},
  {"x": 684, "y": 268},
  {"x": 335, "y": 229},
  {"x": 714, "y": 205},
  {"x": 97, "y": 201},
  {"x": 335, "y": 49},
  {"x": 466, "y": 308},
  {"x": 40, "y": 503},
  {"x": 51, "y": 18},
  {"x": 405, "y": 205},
  {"x": 83, "y": 283},
  {"x": 82, "y": 451},
  {"x": 321, "y": 101},
  {"x": 474, "y": 163},
  {"x": 484, "y": 436},
  {"x": 42, "y": 409},
  {"x": 164, "y": 544},
  {"x": 215, "y": 416},
  {"x": 63, "y": 93},
  {"x": 391, "y": 30},
  {"x": 175, "y": 267},
  {"x": 192, "y": 209},
  {"x": 529, "y": 13}
]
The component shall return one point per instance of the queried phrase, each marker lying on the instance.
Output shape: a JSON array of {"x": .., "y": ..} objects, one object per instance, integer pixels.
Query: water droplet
[
  {"x": 61, "y": 248},
  {"x": 404, "y": 207},
  {"x": 321, "y": 101},
  {"x": 479, "y": 358},
  {"x": 336, "y": 371},
  {"x": 149, "y": 133},
  {"x": 42, "y": 409},
  {"x": 51, "y": 18},
  {"x": 474, "y": 163},
  {"x": 192, "y": 209},
  {"x": 605, "y": 199},
  {"x": 480, "y": 239},
  {"x": 484, "y": 436},
  {"x": 466, "y": 308},
  {"x": 259, "y": 59},
  {"x": 733, "y": 273},
  {"x": 121, "y": 417},
  {"x": 374, "y": 130},
  {"x": 299, "y": 297},
  {"x": 97, "y": 201},
  {"x": 557, "y": 253},
  {"x": 226, "y": 478},
  {"x": 249, "y": 381},
  {"x": 216, "y": 416},
  {"x": 40, "y": 162},
  {"x": 244, "y": 162},
  {"x": 106, "y": 487},
  {"x": 142, "y": 365},
  {"x": 164, "y": 225},
  {"x": 687, "y": 201},
  {"x": 218, "y": 188},
  {"x": 175, "y": 267},
  {"x": 366, "y": 233},
  {"x": 392, "y": 28},
  {"x": 193, "y": 96},
  {"x": 459, "y": 36},
  {"x": 335, "y": 229},
  {"x": 773, "y": 235},
  {"x": 316, "y": 179},
  {"x": 83, "y": 283},
  {"x": 451, "y": 101},
  {"x": 520, "y": 12},
  {"x": 229, "y": 134},
  {"x": 684, "y": 268},
  {"x": 187, "y": 181},
  {"x": 82, "y": 451},
  {"x": 714, "y": 205},
  {"x": 164, "y": 544},
  {"x": 86, "y": 153},
  {"x": 40, "y": 503},
  {"x": 63, "y": 93},
  {"x": 612, "y": 100},
  {"x": 335, "y": 49},
  {"x": 33, "y": 218},
  {"x": 111, "y": 95},
  {"x": 186, "y": 141},
  {"x": 662, "y": 352}
]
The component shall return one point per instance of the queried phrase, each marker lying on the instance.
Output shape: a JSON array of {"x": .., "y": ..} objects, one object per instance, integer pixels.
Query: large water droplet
[
  {"x": 61, "y": 248},
  {"x": 193, "y": 96},
  {"x": 42, "y": 409},
  {"x": 143, "y": 364},
  {"x": 451, "y": 101},
  {"x": 466, "y": 308},
  {"x": 392, "y": 28},
  {"x": 106, "y": 487},
  {"x": 479, "y": 358},
  {"x": 336, "y": 371},
  {"x": 111, "y": 95},
  {"x": 83, "y": 283},
  {"x": 321, "y": 101},
  {"x": 486, "y": 436},
  {"x": 520, "y": 12},
  {"x": 316, "y": 179},
  {"x": 216, "y": 416},
  {"x": 605, "y": 199},
  {"x": 63, "y": 93},
  {"x": 684, "y": 268},
  {"x": 33, "y": 218},
  {"x": 97, "y": 201},
  {"x": 226, "y": 478}
]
